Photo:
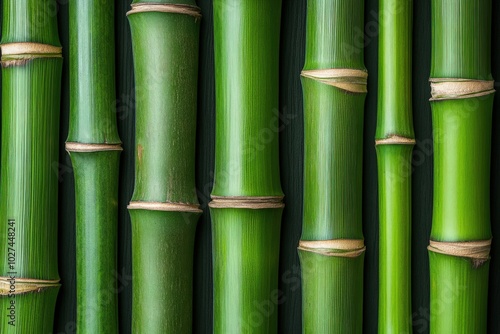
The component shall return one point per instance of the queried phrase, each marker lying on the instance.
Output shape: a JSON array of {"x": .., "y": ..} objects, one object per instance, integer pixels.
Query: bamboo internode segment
[
  {"x": 395, "y": 140},
  {"x": 336, "y": 247},
  {"x": 165, "y": 8},
  {"x": 475, "y": 250},
  {"x": 164, "y": 206},
  {"x": 459, "y": 88},
  {"x": 247, "y": 202},
  {"x": 88, "y": 148},
  {"x": 351, "y": 80},
  {"x": 24, "y": 285}
]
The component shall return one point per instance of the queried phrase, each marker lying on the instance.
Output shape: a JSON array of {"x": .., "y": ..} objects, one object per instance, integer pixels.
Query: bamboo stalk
[
  {"x": 246, "y": 202},
  {"x": 94, "y": 148},
  {"x": 394, "y": 140},
  {"x": 462, "y": 101},
  {"x": 331, "y": 248},
  {"x": 164, "y": 208},
  {"x": 31, "y": 83}
]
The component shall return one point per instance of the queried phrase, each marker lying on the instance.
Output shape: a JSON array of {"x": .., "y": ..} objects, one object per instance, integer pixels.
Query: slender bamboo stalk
[
  {"x": 31, "y": 83},
  {"x": 164, "y": 207},
  {"x": 94, "y": 148},
  {"x": 462, "y": 101},
  {"x": 246, "y": 202},
  {"x": 331, "y": 248},
  {"x": 394, "y": 140}
]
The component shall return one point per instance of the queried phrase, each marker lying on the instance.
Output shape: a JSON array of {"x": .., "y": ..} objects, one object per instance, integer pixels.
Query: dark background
[{"x": 291, "y": 157}]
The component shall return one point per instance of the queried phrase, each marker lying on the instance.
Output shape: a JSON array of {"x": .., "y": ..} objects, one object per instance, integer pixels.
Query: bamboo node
[
  {"x": 18, "y": 286},
  {"x": 82, "y": 147},
  {"x": 350, "y": 80},
  {"x": 335, "y": 247},
  {"x": 18, "y": 54},
  {"x": 247, "y": 202},
  {"x": 478, "y": 251},
  {"x": 164, "y": 206},
  {"x": 165, "y": 8},
  {"x": 458, "y": 88},
  {"x": 395, "y": 140}
]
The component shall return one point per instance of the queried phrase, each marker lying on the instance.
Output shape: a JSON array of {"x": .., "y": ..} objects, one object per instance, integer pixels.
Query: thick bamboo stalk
[
  {"x": 394, "y": 140},
  {"x": 246, "y": 202},
  {"x": 94, "y": 148},
  {"x": 164, "y": 207},
  {"x": 331, "y": 249},
  {"x": 462, "y": 101},
  {"x": 31, "y": 83}
]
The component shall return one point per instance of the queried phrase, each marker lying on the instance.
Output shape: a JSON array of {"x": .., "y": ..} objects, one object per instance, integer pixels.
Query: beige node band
[
  {"x": 453, "y": 88},
  {"x": 164, "y": 206},
  {"x": 350, "y": 80},
  {"x": 478, "y": 251},
  {"x": 247, "y": 202},
  {"x": 18, "y": 286},
  {"x": 18, "y": 54},
  {"x": 395, "y": 140},
  {"x": 335, "y": 247},
  {"x": 81, "y": 147},
  {"x": 22, "y": 48},
  {"x": 165, "y": 8}
]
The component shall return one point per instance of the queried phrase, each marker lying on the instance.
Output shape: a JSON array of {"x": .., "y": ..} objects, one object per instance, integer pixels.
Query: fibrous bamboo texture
[
  {"x": 31, "y": 83},
  {"x": 462, "y": 101},
  {"x": 246, "y": 202},
  {"x": 164, "y": 207},
  {"x": 394, "y": 141},
  {"x": 94, "y": 148},
  {"x": 331, "y": 249}
]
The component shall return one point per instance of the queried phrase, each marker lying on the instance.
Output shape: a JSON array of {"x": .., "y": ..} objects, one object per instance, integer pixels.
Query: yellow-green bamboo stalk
[
  {"x": 246, "y": 202},
  {"x": 462, "y": 103},
  {"x": 31, "y": 83},
  {"x": 164, "y": 208}
]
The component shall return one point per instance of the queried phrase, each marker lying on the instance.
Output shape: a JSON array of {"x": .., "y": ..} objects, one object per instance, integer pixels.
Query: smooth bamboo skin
[
  {"x": 28, "y": 185},
  {"x": 93, "y": 121},
  {"x": 246, "y": 38},
  {"x": 246, "y": 262},
  {"x": 461, "y": 37},
  {"x": 165, "y": 49},
  {"x": 462, "y": 143},
  {"x": 96, "y": 191},
  {"x": 332, "y": 287},
  {"x": 163, "y": 247},
  {"x": 328, "y": 293},
  {"x": 394, "y": 182},
  {"x": 394, "y": 145}
]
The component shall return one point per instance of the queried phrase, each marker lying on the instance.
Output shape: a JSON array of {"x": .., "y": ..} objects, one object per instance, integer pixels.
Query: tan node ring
[
  {"x": 336, "y": 247},
  {"x": 458, "y": 88},
  {"x": 350, "y": 80},
  {"x": 17, "y": 54},
  {"x": 247, "y": 202},
  {"x": 477, "y": 251},
  {"x": 84, "y": 148},
  {"x": 165, "y": 8},
  {"x": 18, "y": 286},
  {"x": 395, "y": 140},
  {"x": 165, "y": 206}
]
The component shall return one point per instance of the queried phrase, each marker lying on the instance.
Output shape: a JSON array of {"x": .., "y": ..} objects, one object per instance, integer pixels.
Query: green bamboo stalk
[
  {"x": 462, "y": 101},
  {"x": 94, "y": 148},
  {"x": 394, "y": 140},
  {"x": 31, "y": 83},
  {"x": 164, "y": 208},
  {"x": 246, "y": 202},
  {"x": 331, "y": 248}
]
